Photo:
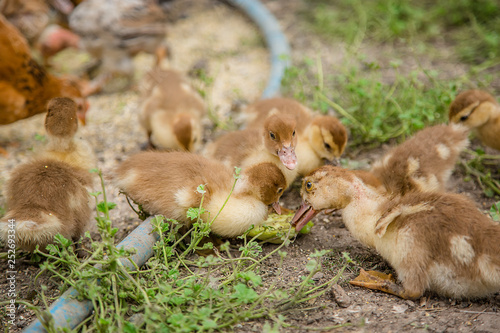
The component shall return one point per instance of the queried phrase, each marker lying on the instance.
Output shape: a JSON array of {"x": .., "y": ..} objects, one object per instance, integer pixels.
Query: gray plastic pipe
[
  {"x": 275, "y": 39},
  {"x": 69, "y": 312}
]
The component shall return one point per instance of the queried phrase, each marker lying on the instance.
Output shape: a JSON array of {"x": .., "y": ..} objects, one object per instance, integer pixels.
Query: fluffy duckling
[
  {"x": 49, "y": 195},
  {"x": 61, "y": 125},
  {"x": 324, "y": 139},
  {"x": 424, "y": 162},
  {"x": 274, "y": 142},
  {"x": 256, "y": 113},
  {"x": 319, "y": 138},
  {"x": 171, "y": 114},
  {"x": 436, "y": 242},
  {"x": 479, "y": 111},
  {"x": 166, "y": 182}
]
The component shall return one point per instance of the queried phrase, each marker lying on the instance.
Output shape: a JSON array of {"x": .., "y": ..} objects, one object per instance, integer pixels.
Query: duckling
[
  {"x": 273, "y": 142},
  {"x": 61, "y": 125},
  {"x": 324, "y": 139},
  {"x": 49, "y": 195},
  {"x": 256, "y": 113},
  {"x": 320, "y": 138},
  {"x": 423, "y": 162},
  {"x": 171, "y": 114},
  {"x": 369, "y": 179},
  {"x": 437, "y": 242},
  {"x": 46, "y": 197},
  {"x": 479, "y": 111},
  {"x": 166, "y": 183}
]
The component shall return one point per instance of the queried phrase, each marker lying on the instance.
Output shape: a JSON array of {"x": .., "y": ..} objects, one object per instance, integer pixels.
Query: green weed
[
  {"x": 472, "y": 26},
  {"x": 177, "y": 290},
  {"x": 495, "y": 211},
  {"x": 374, "y": 111},
  {"x": 483, "y": 169}
]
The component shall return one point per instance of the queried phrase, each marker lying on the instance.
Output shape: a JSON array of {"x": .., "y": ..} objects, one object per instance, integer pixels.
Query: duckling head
[
  {"x": 328, "y": 137},
  {"x": 61, "y": 120},
  {"x": 267, "y": 182},
  {"x": 326, "y": 188},
  {"x": 472, "y": 108},
  {"x": 280, "y": 138}
]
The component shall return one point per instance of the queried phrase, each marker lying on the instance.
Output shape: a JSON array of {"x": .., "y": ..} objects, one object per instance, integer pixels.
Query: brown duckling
[
  {"x": 436, "y": 242},
  {"x": 424, "y": 162},
  {"x": 320, "y": 138},
  {"x": 478, "y": 111},
  {"x": 324, "y": 139},
  {"x": 172, "y": 112},
  {"x": 49, "y": 195},
  {"x": 166, "y": 183},
  {"x": 256, "y": 113},
  {"x": 273, "y": 142},
  {"x": 46, "y": 197},
  {"x": 61, "y": 125}
]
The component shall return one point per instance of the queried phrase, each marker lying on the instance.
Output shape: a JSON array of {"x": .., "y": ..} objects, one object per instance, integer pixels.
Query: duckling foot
[{"x": 379, "y": 281}]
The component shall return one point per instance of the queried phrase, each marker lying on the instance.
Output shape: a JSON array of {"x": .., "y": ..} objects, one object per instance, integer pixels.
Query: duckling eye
[
  {"x": 272, "y": 135},
  {"x": 280, "y": 190},
  {"x": 464, "y": 118},
  {"x": 293, "y": 134},
  {"x": 327, "y": 146},
  {"x": 309, "y": 186}
]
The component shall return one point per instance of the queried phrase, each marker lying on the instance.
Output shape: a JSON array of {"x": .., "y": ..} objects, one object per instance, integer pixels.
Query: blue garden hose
[
  {"x": 67, "y": 311},
  {"x": 275, "y": 39}
]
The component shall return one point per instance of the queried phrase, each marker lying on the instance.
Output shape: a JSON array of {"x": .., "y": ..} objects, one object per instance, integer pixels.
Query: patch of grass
[
  {"x": 176, "y": 290},
  {"x": 484, "y": 170},
  {"x": 473, "y": 26},
  {"x": 373, "y": 109}
]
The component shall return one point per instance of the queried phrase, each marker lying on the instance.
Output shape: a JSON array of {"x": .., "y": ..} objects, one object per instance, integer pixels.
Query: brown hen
[{"x": 25, "y": 86}]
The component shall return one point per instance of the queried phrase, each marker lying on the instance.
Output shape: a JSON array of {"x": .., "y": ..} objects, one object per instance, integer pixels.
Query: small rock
[
  {"x": 340, "y": 296},
  {"x": 318, "y": 276},
  {"x": 411, "y": 305},
  {"x": 400, "y": 308}
]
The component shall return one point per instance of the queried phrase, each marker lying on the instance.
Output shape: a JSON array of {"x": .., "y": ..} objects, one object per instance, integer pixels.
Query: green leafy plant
[
  {"x": 495, "y": 211},
  {"x": 374, "y": 111},
  {"x": 472, "y": 26},
  {"x": 484, "y": 169},
  {"x": 176, "y": 290}
]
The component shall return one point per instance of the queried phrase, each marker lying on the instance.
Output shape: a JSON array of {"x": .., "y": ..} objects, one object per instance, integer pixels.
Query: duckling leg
[{"x": 383, "y": 282}]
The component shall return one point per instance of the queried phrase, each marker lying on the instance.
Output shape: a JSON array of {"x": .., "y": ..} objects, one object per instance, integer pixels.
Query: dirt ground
[{"x": 223, "y": 41}]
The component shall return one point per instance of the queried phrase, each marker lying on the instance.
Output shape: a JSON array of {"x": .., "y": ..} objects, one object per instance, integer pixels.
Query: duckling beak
[
  {"x": 303, "y": 215},
  {"x": 287, "y": 157},
  {"x": 83, "y": 107},
  {"x": 277, "y": 207}
]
